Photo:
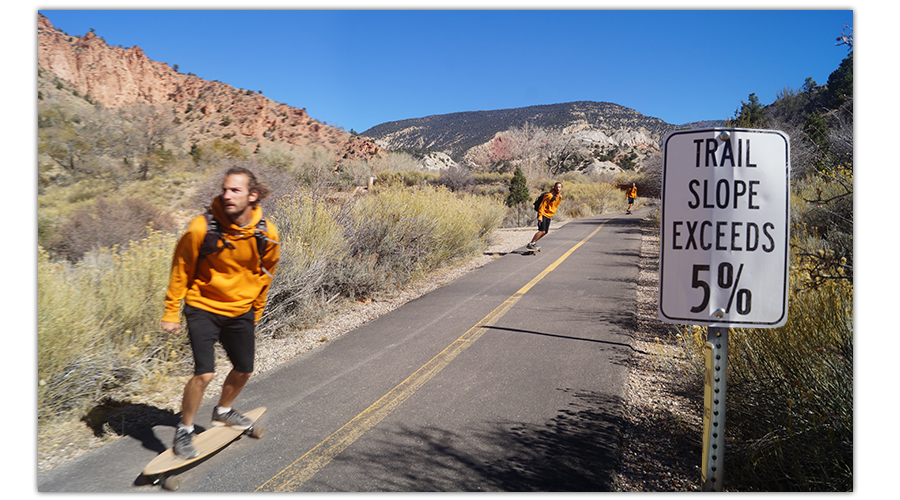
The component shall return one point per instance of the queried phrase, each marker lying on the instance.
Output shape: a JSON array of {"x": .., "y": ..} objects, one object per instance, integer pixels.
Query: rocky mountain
[
  {"x": 87, "y": 68},
  {"x": 459, "y": 135}
]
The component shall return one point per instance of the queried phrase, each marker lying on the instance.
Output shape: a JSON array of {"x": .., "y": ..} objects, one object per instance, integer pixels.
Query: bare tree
[
  {"x": 58, "y": 136},
  {"x": 148, "y": 131},
  {"x": 456, "y": 178},
  {"x": 651, "y": 175},
  {"x": 83, "y": 140},
  {"x": 525, "y": 145},
  {"x": 846, "y": 37},
  {"x": 542, "y": 153},
  {"x": 563, "y": 152},
  {"x": 71, "y": 136}
]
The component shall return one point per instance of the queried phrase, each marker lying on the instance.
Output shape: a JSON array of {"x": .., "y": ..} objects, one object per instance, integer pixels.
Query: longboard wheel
[
  {"x": 172, "y": 483},
  {"x": 257, "y": 432}
]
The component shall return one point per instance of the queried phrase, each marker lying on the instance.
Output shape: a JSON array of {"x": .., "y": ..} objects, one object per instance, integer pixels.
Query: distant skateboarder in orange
[{"x": 631, "y": 194}]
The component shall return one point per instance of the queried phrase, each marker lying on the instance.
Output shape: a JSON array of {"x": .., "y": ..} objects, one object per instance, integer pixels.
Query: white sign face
[{"x": 725, "y": 228}]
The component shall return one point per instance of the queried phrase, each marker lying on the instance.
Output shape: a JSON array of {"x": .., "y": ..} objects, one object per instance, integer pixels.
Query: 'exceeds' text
[{"x": 725, "y": 194}]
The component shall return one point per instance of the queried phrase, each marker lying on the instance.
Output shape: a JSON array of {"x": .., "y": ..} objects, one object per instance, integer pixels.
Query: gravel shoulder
[{"x": 661, "y": 443}]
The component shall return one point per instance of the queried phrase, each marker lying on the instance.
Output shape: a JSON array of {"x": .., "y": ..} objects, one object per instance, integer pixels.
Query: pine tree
[
  {"x": 750, "y": 115},
  {"x": 840, "y": 84},
  {"x": 518, "y": 189}
]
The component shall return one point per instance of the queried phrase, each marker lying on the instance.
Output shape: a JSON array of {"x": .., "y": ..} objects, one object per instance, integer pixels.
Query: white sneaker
[{"x": 231, "y": 419}]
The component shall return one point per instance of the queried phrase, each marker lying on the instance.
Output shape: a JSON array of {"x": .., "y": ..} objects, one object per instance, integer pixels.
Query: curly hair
[{"x": 262, "y": 190}]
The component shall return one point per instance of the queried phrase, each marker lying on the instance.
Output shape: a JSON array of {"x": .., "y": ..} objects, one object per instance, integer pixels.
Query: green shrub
[
  {"x": 585, "y": 198},
  {"x": 353, "y": 173},
  {"x": 66, "y": 328},
  {"x": 85, "y": 191},
  {"x": 822, "y": 223},
  {"x": 427, "y": 225},
  {"x": 518, "y": 189},
  {"x": 493, "y": 178},
  {"x": 365, "y": 246}
]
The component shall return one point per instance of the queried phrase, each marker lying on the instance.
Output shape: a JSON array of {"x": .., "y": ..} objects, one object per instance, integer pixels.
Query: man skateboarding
[
  {"x": 222, "y": 269},
  {"x": 631, "y": 194},
  {"x": 546, "y": 211}
]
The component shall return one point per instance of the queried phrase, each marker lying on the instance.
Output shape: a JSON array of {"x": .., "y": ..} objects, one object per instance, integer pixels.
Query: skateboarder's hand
[{"x": 170, "y": 327}]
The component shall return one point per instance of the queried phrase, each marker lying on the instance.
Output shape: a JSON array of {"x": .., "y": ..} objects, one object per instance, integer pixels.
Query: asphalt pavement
[{"x": 510, "y": 378}]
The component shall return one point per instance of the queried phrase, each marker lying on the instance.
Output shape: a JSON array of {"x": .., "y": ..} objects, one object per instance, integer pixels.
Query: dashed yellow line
[{"x": 305, "y": 467}]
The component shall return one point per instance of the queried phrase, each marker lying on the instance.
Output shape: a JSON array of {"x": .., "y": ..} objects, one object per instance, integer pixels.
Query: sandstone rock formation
[{"x": 116, "y": 77}]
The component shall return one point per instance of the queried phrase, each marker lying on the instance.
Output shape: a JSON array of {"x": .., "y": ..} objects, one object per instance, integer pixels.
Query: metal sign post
[
  {"x": 724, "y": 245},
  {"x": 716, "y": 353}
]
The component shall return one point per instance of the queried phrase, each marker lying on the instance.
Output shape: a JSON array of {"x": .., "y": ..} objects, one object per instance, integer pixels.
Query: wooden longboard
[{"x": 206, "y": 443}]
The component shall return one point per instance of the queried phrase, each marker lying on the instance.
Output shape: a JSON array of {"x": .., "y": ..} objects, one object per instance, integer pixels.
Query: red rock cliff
[{"x": 116, "y": 77}]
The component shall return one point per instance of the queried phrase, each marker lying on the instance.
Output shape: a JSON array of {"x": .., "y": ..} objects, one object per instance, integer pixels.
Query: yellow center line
[{"x": 305, "y": 467}]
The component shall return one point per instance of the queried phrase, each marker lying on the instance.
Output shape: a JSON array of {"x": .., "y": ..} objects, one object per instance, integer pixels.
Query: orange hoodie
[
  {"x": 229, "y": 282},
  {"x": 549, "y": 204}
]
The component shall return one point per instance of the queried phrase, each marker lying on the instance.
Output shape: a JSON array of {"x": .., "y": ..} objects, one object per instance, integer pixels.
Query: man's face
[
  {"x": 557, "y": 188},
  {"x": 236, "y": 196}
]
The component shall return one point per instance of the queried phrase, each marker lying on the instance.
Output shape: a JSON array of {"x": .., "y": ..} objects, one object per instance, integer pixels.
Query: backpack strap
[
  {"x": 260, "y": 233},
  {"x": 214, "y": 235}
]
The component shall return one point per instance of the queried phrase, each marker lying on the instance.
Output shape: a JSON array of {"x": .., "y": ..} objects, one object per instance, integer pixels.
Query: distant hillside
[{"x": 457, "y": 133}]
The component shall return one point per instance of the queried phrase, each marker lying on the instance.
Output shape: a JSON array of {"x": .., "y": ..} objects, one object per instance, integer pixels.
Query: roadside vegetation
[
  {"x": 110, "y": 211},
  {"x": 790, "y": 397}
]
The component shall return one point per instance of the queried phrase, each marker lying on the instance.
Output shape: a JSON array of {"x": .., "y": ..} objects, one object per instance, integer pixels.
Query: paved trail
[{"x": 510, "y": 378}]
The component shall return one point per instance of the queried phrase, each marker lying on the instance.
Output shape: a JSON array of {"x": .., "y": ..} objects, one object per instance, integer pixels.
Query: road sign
[{"x": 725, "y": 228}]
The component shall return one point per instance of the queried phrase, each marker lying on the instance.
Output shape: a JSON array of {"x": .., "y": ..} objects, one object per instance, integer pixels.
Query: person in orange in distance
[
  {"x": 222, "y": 269},
  {"x": 546, "y": 211},
  {"x": 631, "y": 194}
]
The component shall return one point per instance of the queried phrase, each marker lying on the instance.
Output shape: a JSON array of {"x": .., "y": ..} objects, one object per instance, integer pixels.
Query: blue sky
[{"x": 356, "y": 68}]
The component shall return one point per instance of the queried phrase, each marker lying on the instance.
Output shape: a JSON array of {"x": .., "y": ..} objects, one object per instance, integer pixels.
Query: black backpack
[
  {"x": 214, "y": 235},
  {"x": 537, "y": 202}
]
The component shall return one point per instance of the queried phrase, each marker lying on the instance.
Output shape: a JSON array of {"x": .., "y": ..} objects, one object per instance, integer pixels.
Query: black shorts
[
  {"x": 543, "y": 224},
  {"x": 630, "y": 201},
  {"x": 236, "y": 335}
]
